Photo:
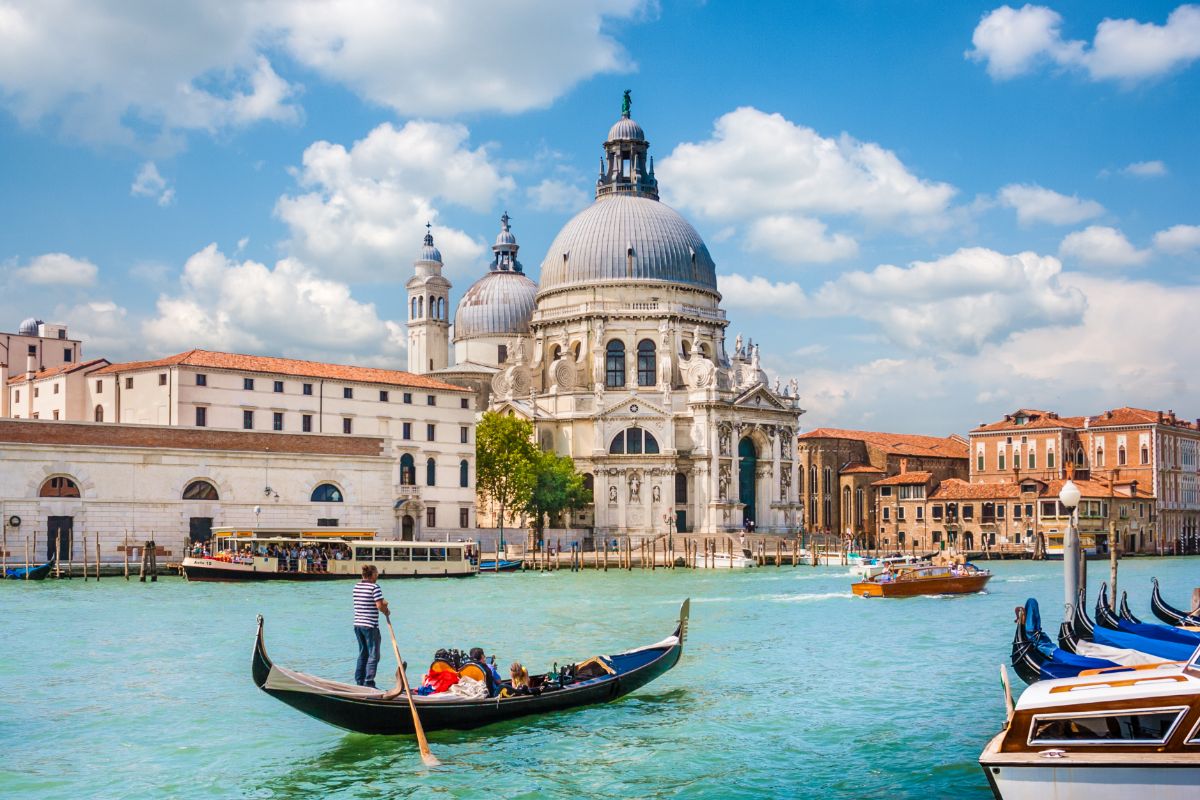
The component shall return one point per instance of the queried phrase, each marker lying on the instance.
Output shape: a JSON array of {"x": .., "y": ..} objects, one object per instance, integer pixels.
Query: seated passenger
[{"x": 488, "y": 664}]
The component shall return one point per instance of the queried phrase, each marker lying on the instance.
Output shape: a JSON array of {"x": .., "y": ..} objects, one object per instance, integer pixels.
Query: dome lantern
[{"x": 624, "y": 169}]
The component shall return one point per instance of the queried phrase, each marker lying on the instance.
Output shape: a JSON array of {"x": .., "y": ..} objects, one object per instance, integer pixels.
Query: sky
[{"x": 930, "y": 214}]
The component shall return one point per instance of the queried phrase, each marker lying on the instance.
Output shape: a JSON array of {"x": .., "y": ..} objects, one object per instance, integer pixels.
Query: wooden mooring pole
[
  {"x": 97, "y": 558},
  {"x": 57, "y": 560},
  {"x": 85, "y": 572},
  {"x": 26, "y": 558},
  {"x": 126, "y": 555}
]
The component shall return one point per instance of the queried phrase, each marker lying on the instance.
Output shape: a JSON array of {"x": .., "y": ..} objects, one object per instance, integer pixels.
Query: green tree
[
  {"x": 505, "y": 462},
  {"x": 557, "y": 488}
]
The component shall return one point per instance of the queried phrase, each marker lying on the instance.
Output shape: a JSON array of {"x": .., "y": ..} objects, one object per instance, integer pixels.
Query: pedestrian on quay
[{"x": 368, "y": 602}]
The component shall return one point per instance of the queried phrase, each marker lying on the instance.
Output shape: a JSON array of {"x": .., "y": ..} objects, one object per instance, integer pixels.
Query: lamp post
[{"x": 1069, "y": 497}]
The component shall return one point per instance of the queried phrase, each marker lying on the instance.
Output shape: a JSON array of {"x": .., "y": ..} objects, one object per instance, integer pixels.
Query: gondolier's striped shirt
[{"x": 366, "y": 613}]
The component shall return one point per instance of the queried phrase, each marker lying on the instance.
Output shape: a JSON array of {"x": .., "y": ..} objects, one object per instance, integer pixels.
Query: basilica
[{"x": 618, "y": 356}]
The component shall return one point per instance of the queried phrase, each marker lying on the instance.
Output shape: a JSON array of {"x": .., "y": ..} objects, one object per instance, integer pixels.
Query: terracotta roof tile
[
  {"x": 62, "y": 369},
  {"x": 859, "y": 467},
  {"x": 903, "y": 444},
  {"x": 288, "y": 366},
  {"x": 1035, "y": 419},
  {"x": 957, "y": 489},
  {"x": 905, "y": 479}
]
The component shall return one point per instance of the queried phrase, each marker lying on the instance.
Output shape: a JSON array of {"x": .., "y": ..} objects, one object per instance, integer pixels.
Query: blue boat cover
[
  {"x": 1164, "y": 632},
  {"x": 1173, "y": 651}
]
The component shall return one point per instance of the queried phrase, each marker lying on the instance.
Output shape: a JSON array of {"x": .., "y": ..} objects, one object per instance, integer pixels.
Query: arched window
[
  {"x": 60, "y": 486},
  {"x": 858, "y": 507},
  {"x": 412, "y": 314},
  {"x": 1145, "y": 454},
  {"x": 99, "y": 415},
  {"x": 1032, "y": 458},
  {"x": 1079, "y": 456},
  {"x": 634, "y": 442},
  {"x": 680, "y": 487},
  {"x": 827, "y": 477},
  {"x": 812, "y": 479},
  {"x": 420, "y": 307},
  {"x": 326, "y": 493},
  {"x": 430, "y": 472},
  {"x": 200, "y": 490},
  {"x": 408, "y": 470},
  {"x": 464, "y": 473},
  {"x": 614, "y": 364},
  {"x": 1121, "y": 456},
  {"x": 1099, "y": 455},
  {"x": 845, "y": 504},
  {"x": 646, "y": 363}
]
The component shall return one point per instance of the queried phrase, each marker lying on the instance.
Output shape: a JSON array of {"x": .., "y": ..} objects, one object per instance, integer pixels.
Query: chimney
[
  {"x": 903, "y": 465},
  {"x": 30, "y": 367},
  {"x": 1171, "y": 415},
  {"x": 1160, "y": 417}
]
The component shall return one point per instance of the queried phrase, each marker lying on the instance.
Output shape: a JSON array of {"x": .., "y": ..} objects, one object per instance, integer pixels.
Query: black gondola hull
[
  {"x": 1169, "y": 614},
  {"x": 392, "y": 717}
]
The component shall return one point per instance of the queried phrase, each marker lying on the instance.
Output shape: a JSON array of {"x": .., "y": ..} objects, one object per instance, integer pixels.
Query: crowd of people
[{"x": 289, "y": 555}]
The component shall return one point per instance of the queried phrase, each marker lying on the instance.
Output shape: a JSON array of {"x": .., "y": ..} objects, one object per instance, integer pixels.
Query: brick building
[
  {"x": 838, "y": 469},
  {"x": 1131, "y": 450}
]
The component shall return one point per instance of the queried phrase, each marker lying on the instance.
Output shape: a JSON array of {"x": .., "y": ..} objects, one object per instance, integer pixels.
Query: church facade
[{"x": 618, "y": 357}]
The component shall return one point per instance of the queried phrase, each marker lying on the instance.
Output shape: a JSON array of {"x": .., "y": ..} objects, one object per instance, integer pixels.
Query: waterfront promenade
[{"x": 789, "y": 687}]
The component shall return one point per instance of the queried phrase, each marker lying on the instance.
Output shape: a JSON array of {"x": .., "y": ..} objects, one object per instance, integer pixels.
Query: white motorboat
[
  {"x": 1111, "y": 734},
  {"x": 723, "y": 560},
  {"x": 871, "y": 567}
]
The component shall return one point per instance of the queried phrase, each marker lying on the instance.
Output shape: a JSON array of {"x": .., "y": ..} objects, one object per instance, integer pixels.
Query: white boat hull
[
  {"x": 721, "y": 561},
  {"x": 1066, "y": 781}
]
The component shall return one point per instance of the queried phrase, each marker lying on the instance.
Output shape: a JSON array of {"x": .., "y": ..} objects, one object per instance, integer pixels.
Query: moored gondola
[
  {"x": 364, "y": 710},
  {"x": 1171, "y": 651},
  {"x": 503, "y": 565},
  {"x": 1034, "y": 655},
  {"x": 1126, "y": 614},
  {"x": 38, "y": 573},
  {"x": 1149, "y": 630},
  {"x": 1170, "y": 614}
]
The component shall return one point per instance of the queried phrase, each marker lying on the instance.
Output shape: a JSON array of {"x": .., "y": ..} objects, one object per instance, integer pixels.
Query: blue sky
[{"x": 930, "y": 214}]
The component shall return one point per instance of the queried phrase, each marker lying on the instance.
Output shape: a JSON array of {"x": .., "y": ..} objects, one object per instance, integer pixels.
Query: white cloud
[
  {"x": 798, "y": 240},
  {"x": 149, "y": 183},
  {"x": 106, "y": 71},
  {"x": 104, "y": 328},
  {"x": 959, "y": 302},
  {"x": 58, "y": 269},
  {"x": 1145, "y": 169},
  {"x": 1178, "y": 239},
  {"x": 758, "y": 164},
  {"x": 1037, "y": 204},
  {"x": 366, "y": 207},
  {"x": 556, "y": 195},
  {"x": 1013, "y": 42},
  {"x": 246, "y": 306},
  {"x": 1101, "y": 246}
]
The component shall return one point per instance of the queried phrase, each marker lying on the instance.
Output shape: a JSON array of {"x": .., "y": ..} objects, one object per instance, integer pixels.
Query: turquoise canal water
[{"x": 789, "y": 686}]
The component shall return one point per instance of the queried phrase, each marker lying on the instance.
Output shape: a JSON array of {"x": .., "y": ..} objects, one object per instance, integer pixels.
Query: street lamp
[
  {"x": 1069, "y": 497},
  {"x": 257, "y": 511}
]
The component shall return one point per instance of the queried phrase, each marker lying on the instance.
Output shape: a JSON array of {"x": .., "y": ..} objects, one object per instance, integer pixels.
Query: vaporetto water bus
[{"x": 303, "y": 554}]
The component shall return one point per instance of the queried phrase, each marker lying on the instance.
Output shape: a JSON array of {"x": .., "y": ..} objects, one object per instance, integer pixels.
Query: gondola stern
[
  {"x": 681, "y": 629},
  {"x": 260, "y": 665}
]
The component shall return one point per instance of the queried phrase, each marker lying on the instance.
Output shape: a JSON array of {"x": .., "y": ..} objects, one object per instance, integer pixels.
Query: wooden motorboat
[
  {"x": 1169, "y": 614},
  {"x": 870, "y": 567},
  {"x": 262, "y": 554},
  {"x": 38, "y": 573},
  {"x": 1102, "y": 735},
  {"x": 913, "y": 581},
  {"x": 364, "y": 710}
]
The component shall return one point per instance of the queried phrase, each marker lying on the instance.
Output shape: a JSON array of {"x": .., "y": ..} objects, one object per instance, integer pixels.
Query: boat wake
[{"x": 808, "y": 598}]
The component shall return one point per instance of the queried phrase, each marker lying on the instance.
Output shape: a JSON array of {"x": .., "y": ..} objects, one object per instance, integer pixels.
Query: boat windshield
[{"x": 1193, "y": 664}]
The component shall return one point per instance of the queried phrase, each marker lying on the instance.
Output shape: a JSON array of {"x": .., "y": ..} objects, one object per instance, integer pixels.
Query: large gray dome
[
  {"x": 620, "y": 238},
  {"x": 29, "y": 327},
  {"x": 498, "y": 304}
]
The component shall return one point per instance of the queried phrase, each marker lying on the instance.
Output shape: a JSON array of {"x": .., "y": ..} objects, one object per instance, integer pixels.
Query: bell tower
[{"x": 428, "y": 311}]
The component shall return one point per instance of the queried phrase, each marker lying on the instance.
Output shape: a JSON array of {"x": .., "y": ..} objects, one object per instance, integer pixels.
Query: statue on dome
[
  {"x": 737, "y": 346},
  {"x": 795, "y": 387},
  {"x": 626, "y": 102}
]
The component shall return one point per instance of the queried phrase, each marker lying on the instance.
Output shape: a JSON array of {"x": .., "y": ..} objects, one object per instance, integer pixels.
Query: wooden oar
[{"x": 426, "y": 755}]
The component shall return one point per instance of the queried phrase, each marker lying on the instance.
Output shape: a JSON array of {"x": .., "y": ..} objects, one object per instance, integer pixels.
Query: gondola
[
  {"x": 363, "y": 710},
  {"x": 1169, "y": 614},
  {"x": 1034, "y": 656},
  {"x": 1171, "y": 651},
  {"x": 504, "y": 565},
  {"x": 1106, "y": 618},
  {"x": 1125, "y": 613},
  {"x": 38, "y": 573}
]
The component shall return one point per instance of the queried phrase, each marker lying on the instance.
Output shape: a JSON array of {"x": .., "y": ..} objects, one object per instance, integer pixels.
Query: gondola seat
[{"x": 479, "y": 672}]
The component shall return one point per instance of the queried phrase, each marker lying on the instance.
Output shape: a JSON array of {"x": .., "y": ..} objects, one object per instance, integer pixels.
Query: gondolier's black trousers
[{"x": 368, "y": 655}]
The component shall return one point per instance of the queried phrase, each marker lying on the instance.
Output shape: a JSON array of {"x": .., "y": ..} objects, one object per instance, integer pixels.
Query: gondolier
[{"x": 368, "y": 602}]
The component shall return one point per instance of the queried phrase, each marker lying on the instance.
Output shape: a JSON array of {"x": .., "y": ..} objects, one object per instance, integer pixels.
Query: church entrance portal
[
  {"x": 747, "y": 464},
  {"x": 406, "y": 528}
]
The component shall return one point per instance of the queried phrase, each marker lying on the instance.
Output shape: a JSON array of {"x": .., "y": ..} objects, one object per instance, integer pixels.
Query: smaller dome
[
  {"x": 498, "y": 304},
  {"x": 29, "y": 327},
  {"x": 428, "y": 251},
  {"x": 625, "y": 128}
]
